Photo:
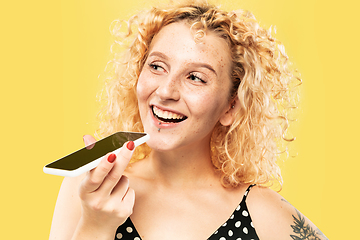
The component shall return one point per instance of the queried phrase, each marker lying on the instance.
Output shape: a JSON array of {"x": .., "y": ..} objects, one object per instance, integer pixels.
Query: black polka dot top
[{"x": 238, "y": 227}]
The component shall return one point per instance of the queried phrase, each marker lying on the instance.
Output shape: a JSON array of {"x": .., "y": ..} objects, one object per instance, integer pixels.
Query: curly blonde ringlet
[{"x": 244, "y": 152}]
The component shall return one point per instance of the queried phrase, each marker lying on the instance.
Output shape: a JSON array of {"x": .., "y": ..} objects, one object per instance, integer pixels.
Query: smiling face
[{"x": 184, "y": 88}]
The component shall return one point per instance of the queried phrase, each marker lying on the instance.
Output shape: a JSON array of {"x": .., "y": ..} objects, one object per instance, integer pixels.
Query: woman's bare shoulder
[{"x": 275, "y": 218}]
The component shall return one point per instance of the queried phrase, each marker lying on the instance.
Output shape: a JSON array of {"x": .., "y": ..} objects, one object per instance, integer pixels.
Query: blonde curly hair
[{"x": 244, "y": 152}]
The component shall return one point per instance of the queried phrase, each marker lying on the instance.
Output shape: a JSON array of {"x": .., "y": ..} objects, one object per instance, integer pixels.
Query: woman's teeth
[{"x": 167, "y": 116}]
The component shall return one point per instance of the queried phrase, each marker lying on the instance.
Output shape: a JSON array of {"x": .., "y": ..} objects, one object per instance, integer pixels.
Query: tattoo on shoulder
[
  {"x": 302, "y": 230},
  {"x": 284, "y": 200}
]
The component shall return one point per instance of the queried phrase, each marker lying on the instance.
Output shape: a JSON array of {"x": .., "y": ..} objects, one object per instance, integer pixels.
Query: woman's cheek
[{"x": 142, "y": 87}]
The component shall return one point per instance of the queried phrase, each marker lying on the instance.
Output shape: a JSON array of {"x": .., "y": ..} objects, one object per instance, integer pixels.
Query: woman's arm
[
  {"x": 276, "y": 219},
  {"x": 92, "y": 206},
  {"x": 67, "y": 209}
]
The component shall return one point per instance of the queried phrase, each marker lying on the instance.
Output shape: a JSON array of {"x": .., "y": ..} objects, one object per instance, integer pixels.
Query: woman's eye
[
  {"x": 156, "y": 67},
  {"x": 195, "y": 78}
]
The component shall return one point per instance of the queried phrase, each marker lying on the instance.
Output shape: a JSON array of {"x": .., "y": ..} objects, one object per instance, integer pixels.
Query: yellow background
[{"x": 53, "y": 51}]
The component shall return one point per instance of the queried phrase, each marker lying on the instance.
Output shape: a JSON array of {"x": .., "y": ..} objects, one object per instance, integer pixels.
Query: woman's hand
[{"x": 106, "y": 199}]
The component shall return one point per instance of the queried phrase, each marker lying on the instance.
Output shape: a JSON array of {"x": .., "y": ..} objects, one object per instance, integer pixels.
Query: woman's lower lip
[{"x": 160, "y": 124}]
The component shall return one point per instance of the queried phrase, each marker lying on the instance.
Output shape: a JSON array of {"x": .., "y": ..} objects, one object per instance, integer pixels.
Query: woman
[{"x": 212, "y": 89}]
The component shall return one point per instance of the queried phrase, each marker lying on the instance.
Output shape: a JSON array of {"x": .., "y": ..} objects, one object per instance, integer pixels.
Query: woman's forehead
[{"x": 176, "y": 41}]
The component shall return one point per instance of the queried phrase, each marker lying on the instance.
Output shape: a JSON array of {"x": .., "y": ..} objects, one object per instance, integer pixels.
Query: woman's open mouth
[{"x": 166, "y": 116}]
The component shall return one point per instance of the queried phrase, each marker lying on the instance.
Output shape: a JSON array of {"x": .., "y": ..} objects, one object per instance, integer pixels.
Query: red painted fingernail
[
  {"x": 111, "y": 158},
  {"x": 130, "y": 145}
]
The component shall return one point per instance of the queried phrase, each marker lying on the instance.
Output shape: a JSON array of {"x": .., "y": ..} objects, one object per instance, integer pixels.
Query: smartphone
[{"x": 89, "y": 157}]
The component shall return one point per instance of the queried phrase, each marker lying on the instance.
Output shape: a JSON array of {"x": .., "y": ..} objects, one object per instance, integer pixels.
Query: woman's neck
[{"x": 185, "y": 167}]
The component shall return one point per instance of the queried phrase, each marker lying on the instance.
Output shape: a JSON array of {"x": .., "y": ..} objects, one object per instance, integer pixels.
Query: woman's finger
[
  {"x": 127, "y": 204},
  {"x": 124, "y": 156},
  {"x": 96, "y": 176},
  {"x": 129, "y": 198},
  {"x": 122, "y": 160},
  {"x": 89, "y": 141},
  {"x": 121, "y": 187}
]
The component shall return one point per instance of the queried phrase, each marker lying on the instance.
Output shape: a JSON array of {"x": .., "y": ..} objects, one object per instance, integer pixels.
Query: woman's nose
[{"x": 168, "y": 89}]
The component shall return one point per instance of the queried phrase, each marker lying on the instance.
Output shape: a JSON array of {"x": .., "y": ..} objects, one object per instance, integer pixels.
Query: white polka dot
[
  {"x": 238, "y": 239},
  {"x": 136, "y": 238},
  {"x": 238, "y": 208},
  {"x": 237, "y": 224},
  {"x": 222, "y": 238},
  {"x": 129, "y": 229},
  {"x": 224, "y": 224},
  {"x": 230, "y": 233},
  {"x": 246, "y": 193},
  {"x": 232, "y": 216},
  {"x": 252, "y": 224},
  {"x": 119, "y": 236},
  {"x": 245, "y": 230},
  {"x": 245, "y": 213}
]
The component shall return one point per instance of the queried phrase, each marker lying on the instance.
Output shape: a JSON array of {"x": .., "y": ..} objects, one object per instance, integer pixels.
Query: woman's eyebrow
[
  {"x": 159, "y": 54},
  {"x": 203, "y": 65}
]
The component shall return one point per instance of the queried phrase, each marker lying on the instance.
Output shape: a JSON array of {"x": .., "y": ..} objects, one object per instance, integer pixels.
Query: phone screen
[{"x": 94, "y": 151}]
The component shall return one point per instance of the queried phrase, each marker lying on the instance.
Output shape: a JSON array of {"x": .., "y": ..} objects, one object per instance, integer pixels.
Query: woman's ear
[{"x": 229, "y": 116}]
